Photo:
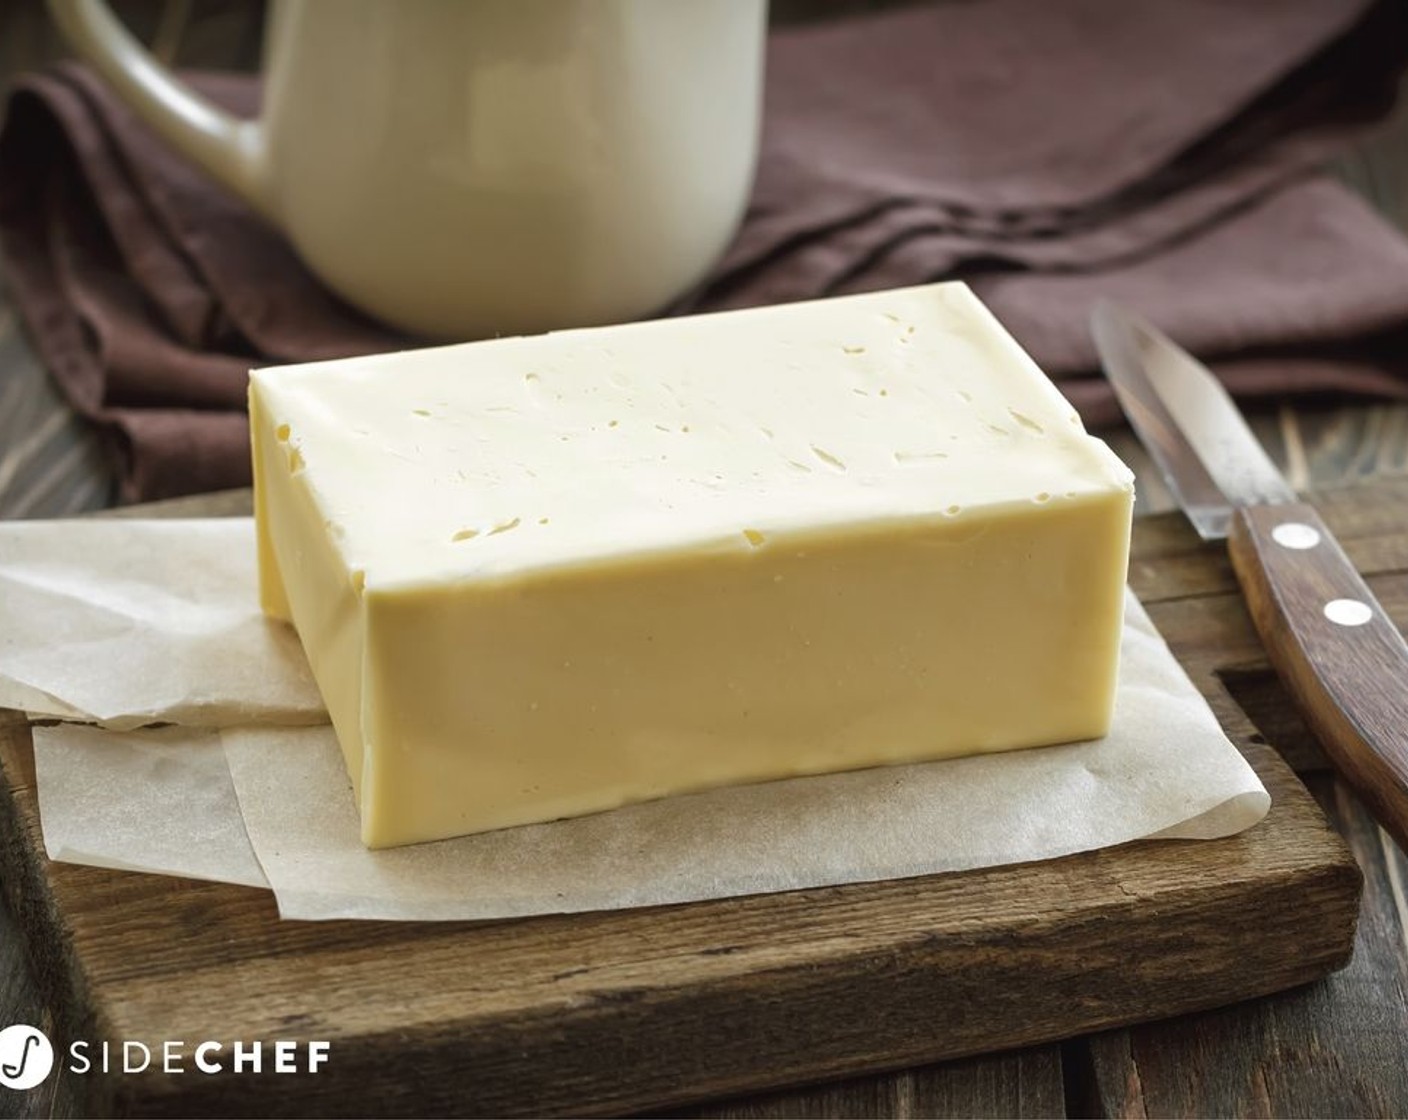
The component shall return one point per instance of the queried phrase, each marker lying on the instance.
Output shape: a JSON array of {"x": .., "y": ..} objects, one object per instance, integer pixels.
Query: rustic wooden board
[
  {"x": 642, "y": 1009},
  {"x": 1328, "y": 1049}
]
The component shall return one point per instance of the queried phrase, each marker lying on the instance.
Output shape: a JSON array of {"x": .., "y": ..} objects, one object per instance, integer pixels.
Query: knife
[{"x": 1343, "y": 659}]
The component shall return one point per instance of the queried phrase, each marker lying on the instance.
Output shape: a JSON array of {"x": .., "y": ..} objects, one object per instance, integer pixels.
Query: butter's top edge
[{"x": 477, "y": 460}]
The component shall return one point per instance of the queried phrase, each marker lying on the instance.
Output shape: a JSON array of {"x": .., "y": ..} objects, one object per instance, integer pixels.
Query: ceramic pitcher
[{"x": 466, "y": 168}]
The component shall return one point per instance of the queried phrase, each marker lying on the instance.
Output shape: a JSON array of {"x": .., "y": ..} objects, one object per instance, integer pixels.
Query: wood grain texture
[
  {"x": 1331, "y": 1049},
  {"x": 21, "y": 1001},
  {"x": 1334, "y": 1048},
  {"x": 1023, "y": 1083},
  {"x": 1349, "y": 677},
  {"x": 649, "y": 1008}
]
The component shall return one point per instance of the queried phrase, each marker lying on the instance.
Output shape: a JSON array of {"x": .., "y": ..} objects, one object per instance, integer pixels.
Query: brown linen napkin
[{"x": 1154, "y": 150}]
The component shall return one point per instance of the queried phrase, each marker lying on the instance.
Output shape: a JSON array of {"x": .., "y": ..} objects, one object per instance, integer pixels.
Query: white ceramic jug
[{"x": 465, "y": 168}]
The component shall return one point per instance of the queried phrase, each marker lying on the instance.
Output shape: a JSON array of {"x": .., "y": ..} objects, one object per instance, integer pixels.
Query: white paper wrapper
[
  {"x": 1165, "y": 770},
  {"x": 132, "y": 622},
  {"x": 159, "y": 800}
]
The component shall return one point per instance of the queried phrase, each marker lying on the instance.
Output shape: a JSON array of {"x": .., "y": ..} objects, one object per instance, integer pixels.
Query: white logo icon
[{"x": 25, "y": 1057}]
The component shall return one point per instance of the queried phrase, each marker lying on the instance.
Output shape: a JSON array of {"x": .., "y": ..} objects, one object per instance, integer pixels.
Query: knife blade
[{"x": 1330, "y": 640}]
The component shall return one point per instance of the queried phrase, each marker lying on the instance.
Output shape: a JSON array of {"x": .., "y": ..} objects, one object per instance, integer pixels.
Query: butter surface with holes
[{"x": 540, "y": 577}]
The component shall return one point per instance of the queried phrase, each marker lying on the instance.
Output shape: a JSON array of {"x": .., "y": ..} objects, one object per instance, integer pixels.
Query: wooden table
[{"x": 1334, "y": 1048}]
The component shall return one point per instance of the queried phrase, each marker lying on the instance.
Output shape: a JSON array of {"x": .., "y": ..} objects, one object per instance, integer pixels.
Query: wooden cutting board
[{"x": 598, "y": 1013}]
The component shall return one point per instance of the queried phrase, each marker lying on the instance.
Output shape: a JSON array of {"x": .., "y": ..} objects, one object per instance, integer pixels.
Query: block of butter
[{"x": 540, "y": 577}]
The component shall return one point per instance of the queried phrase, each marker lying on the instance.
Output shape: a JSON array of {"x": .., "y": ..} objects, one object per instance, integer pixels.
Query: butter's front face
[{"x": 547, "y": 576}]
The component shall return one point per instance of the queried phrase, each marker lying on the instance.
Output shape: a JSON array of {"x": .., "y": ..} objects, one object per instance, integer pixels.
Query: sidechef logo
[{"x": 26, "y": 1057}]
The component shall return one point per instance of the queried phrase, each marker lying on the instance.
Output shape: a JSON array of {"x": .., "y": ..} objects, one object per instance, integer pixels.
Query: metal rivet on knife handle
[
  {"x": 1294, "y": 534},
  {"x": 1348, "y": 612}
]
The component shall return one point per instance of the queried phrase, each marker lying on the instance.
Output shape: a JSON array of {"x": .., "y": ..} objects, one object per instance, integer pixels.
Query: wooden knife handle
[{"x": 1342, "y": 657}]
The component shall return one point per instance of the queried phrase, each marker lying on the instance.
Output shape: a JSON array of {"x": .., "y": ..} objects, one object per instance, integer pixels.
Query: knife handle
[{"x": 1345, "y": 661}]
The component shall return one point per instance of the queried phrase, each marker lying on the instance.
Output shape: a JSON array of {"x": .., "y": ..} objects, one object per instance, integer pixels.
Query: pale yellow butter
[{"x": 540, "y": 577}]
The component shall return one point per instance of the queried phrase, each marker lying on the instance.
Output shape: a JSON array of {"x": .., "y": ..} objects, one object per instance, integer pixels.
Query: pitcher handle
[{"x": 229, "y": 149}]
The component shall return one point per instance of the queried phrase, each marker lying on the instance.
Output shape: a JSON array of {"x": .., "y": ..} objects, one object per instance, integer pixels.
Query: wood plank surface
[
  {"x": 651, "y": 1008},
  {"x": 1021, "y": 1083},
  {"x": 1332, "y": 1049}
]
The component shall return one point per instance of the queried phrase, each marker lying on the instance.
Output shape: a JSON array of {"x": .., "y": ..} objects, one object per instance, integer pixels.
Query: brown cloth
[{"x": 1162, "y": 152}]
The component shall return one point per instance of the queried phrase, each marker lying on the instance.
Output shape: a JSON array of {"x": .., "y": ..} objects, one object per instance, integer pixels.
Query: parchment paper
[
  {"x": 1165, "y": 770},
  {"x": 158, "y": 800},
  {"x": 133, "y": 622}
]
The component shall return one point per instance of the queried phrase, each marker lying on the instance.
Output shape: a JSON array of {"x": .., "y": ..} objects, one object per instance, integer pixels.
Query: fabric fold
[{"x": 1161, "y": 152}]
